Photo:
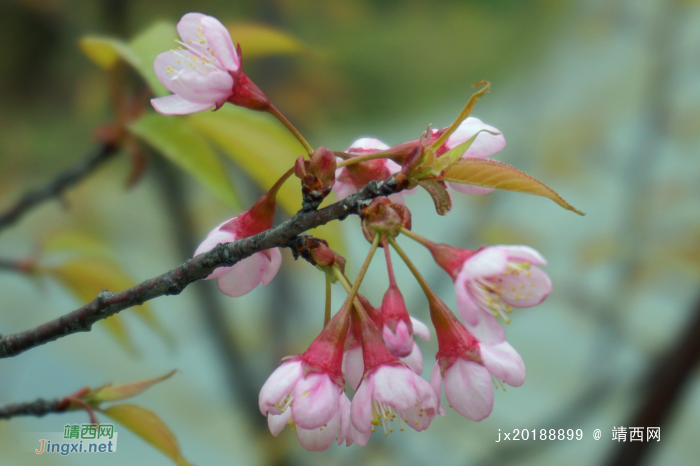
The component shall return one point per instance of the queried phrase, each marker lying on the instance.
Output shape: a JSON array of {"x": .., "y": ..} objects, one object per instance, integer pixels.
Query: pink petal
[
  {"x": 361, "y": 406},
  {"x": 400, "y": 343},
  {"x": 523, "y": 291},
  {"x": 469, "y": 188},
  {"x": 485, "y": 143},
  {"x": 272, "y": 267},
  {"x": 360, "y": 438},
  {"x": 168, "y": 61},
  {"x": 189, "y": 27},
  {"x": 367, "y": 145},
  {"x": 175, "y": 105},
  {"x": 278, "y": 385},
  {"x": 220, "y": 42},
  {"x": 393, "y": 385},
  {"x": 479, "y": 322},
  {"x": 419, "y": 419},
  {"x": 216, "y": 236},
  {"x": 414, "y": 360},
  {"x": 344, "y": 411},
  {"x": 420, "y": 329},
  {"x": 397, "y": 198},
  {"x": 343, "y": 190},
  {"x": 196, "y": 86},
  {"x": 485, "y": 263},
  {"x": 321, "y": 438},
  {"x": 469, "y": 390},
  {"x": 315, "y": 401},
  {"x": 523, "y": 254},
  {"x": 504, "y": 363},
  {"x": 244, "y": 276},
  {"x": 353, "y": 366},
  {"x": 436, "y": 385},
  {"x": 276, "y": 422}
]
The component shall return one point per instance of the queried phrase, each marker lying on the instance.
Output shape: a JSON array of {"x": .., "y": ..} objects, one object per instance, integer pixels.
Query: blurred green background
[{"x": 598, "y": 99}]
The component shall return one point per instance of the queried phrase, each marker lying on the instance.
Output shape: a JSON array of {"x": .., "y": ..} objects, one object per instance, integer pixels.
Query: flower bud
[
  {"x": 317, "y": 176},
  {"x": 383, "y": 216}
]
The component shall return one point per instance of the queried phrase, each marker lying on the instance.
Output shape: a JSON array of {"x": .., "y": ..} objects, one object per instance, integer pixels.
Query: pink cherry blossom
[
  {"x": 465, "y": 365},
  {"x": 308, "y": 390},
  {"x": 468, "y": 384},
  {"x": 204, "y": 71},
  {"x": 393, "y": 393},
  {"x": 354, "y": 366},
  {"x": 484, "y": 145},
  {"x": 495, "y": 279},
  {"x": 316, "y": 404},
  {"x": 245, "y": 275},
  {"x": 349, "y": 179}
]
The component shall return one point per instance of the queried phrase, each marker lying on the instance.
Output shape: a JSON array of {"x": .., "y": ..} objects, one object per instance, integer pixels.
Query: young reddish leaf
[
  {"x": 492, "y": 174},
  {"x": 441, "y": 196},
  {"x": 149, "y": 427},
  {"x": 121, "y": 392}
]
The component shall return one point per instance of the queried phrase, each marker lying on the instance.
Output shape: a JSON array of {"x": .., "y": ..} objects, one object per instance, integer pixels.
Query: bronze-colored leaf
[
  {"x": 493, "y": 174},
  {"x": 441, "y": 196}
]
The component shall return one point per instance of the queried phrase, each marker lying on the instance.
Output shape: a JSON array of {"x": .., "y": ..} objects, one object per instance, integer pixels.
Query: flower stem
[
  {"x": 416, "y": 237},
  {"x": 389, "y": 266},
  {"x": 466, "y": 111},
  {"x": 352, "y": 290},
  {"x": 278, "y": 184},
  {"x": 277, "y": 114},
  {"x": 363, "y": 158},
  {"x": 421, "y": 281},
  {"x": 327, "y": 316}
]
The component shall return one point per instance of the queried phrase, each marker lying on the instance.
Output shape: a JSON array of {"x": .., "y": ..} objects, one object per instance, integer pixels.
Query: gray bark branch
[
  {"x": 58, "y": 185},
  {"x": 174, "y": 281}
]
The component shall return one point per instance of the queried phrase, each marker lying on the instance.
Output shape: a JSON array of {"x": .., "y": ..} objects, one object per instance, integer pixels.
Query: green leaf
[
  {"x": 85, "y": 277},
  {"x": 441, "y": 196},
  {"x": 258, "y": 144},
  {"x": 175, "y": 138},
  {"x": 149, "y": 427},
  {"x": 258, "y": 40},
  {"x": 140, "y": 52},
  {"x": 106, "y": 51},
  {"x": 456, "y": 153},
  {"x": 122, "y": 392},
  {"x": 158, "y": 38},
  {"x": 493, "y": 174}
]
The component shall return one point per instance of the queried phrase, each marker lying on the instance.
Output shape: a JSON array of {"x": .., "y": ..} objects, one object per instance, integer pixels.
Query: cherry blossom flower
[
  {"x": 465, "y": 366},
  {"x": 389, "y": 391},
  {"x": 308, "y": 391},
  {"x": 204, "y": 70},
  {"x": 490, "y": 281},
  {"x": 353, "y": 361},
  {"x": 353, "y": 177},
  {"x": 261, "y": 267},
  {"x": 484, "y": 145}
]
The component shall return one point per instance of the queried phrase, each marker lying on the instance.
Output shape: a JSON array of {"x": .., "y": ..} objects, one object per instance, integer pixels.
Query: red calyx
[
  {"x": 449, "y": 258},
  {"x": 454, "y": 340},
  {"x": 394, "y": 309},
  {"x": 374, "y": 353},
  {"x": 325, "y": 354},
  {"x": 256, "y": 220},
  {"x": 246, "y": 94}
]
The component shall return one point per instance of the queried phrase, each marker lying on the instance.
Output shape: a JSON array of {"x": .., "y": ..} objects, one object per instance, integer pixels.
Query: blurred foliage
[{"x": 598, "y": 99}]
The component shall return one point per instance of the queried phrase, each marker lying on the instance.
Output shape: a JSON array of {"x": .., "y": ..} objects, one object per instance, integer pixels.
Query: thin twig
[
  {"x": 174, "y": 281},
  {"x": 58, "y": 185},
  {"x": 36, "y": 408}
]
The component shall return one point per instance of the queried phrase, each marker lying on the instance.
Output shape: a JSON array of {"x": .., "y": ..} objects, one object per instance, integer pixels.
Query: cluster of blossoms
[{"x": 368, "y": 350}]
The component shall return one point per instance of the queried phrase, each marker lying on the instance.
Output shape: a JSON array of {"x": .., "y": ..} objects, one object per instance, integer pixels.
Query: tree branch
[
  {"x": 38, "y": 408},
  {"x": 59, "y": 184},
  {"x": 174, "y": 281}
]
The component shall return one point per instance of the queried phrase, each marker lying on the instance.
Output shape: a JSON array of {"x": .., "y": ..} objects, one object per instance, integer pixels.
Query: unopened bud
[
  {"x": 383, "y": 216},
  {"x": 317, "y": 176}
]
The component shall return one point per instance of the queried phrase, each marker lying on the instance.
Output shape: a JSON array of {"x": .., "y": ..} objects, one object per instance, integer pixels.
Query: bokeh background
[{"x": 599, "y": 99}]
